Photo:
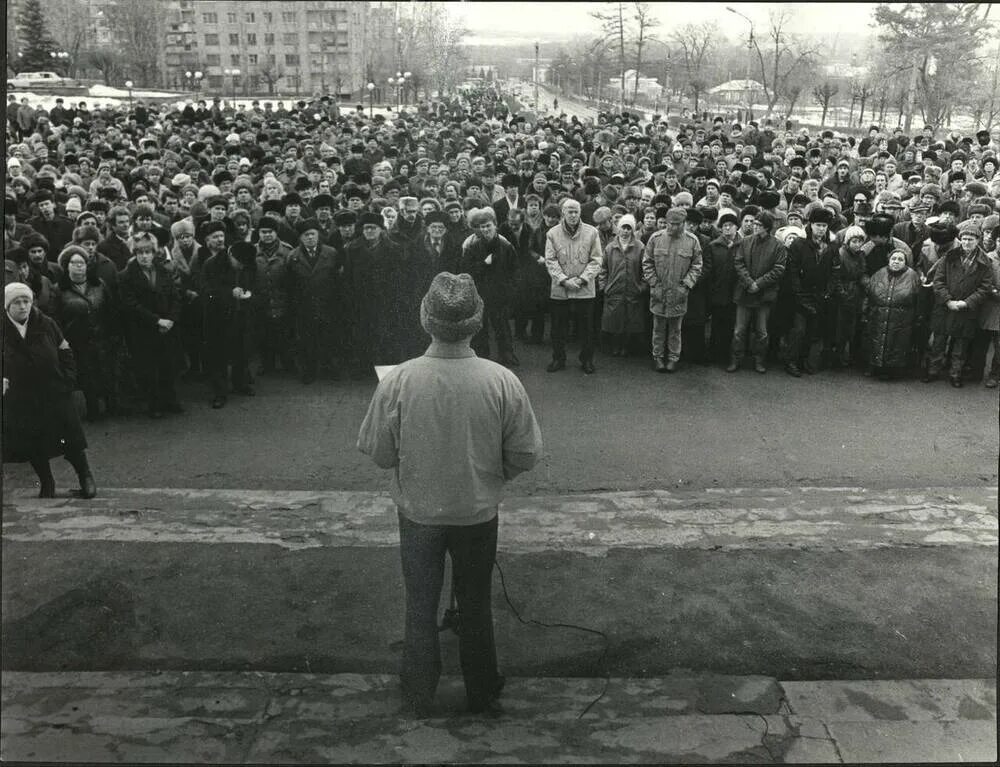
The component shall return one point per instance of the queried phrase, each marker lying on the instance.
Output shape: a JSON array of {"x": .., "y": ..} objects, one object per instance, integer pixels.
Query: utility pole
[
  {"x": 536, "y": 77},
  {"x": 910, "y": 95}
]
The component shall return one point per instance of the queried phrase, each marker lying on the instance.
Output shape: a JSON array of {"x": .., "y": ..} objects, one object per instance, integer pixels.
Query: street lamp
[
  {"x": 399, "y": 80},
  {"x": 406, "y": 79},
  {"x": 59, "y": 60},
  {"x": 749, "y": 56},
  {"x": 234, "y": 73},
  {"x": 193, "y": 79},
  {"x": 129, "y": 84},
  {"x": 371, "y": 100}
]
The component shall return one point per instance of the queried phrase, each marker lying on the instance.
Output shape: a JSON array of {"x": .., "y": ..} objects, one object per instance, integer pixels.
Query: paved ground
[
  {"x": 306, "y": 718},
  {"x": 624, "y": 428}
]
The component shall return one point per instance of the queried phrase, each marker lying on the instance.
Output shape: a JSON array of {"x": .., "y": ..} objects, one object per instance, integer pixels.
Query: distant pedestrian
[{"x": 454, "y": 427}]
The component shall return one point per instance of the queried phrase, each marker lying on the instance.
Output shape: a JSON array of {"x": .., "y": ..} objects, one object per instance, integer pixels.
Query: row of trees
[{"x": 928, "y": 61}]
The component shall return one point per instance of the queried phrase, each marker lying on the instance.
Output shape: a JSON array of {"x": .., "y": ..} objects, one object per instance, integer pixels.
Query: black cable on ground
[{"x": 532, "y": 621}]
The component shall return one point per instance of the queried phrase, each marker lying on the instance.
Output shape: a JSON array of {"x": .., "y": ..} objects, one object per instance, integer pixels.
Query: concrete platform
[{"x": 258, "y": 718}]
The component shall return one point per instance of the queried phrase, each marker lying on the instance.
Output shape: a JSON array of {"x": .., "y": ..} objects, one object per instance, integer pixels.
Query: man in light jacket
[
  {"x": 454, "y": 427},
  {"x": 573, "y": 256}
]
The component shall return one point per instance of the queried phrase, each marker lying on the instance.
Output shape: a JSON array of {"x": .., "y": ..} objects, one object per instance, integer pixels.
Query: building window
[
  {"x": 250, "y": 18},
  {"x": 210, "y": 18},
  {"x": 288, "y": 17},
  {"x": 251, "y": 38},
  {"x": 291, "y": 38},
  {"x": 211, "y": 39},
  {"x": 269, "y": 38},
  {"x": 213, "y": 59},
  {"x": 268, "y": 17},
  {"x": 215, "y": 81},
  {"x": 234, "y": 59},
  {"x": 231, "y": 17},
  {"x": 293, "y": 81},
  {"x": 234, "y": 39},
  {"x": 272, "y": 59},
  {"x": 251, "y": 58},
  {"x": 292, "y": 59}
]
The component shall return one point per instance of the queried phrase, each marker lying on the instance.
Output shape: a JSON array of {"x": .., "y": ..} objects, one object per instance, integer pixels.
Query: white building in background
[
  {"x": 649, "y": 87},
  {"x": 735, "y": 92}
]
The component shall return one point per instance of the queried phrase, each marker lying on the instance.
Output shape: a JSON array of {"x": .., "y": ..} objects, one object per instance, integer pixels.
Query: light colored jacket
[{"x": 578, "y": 255}]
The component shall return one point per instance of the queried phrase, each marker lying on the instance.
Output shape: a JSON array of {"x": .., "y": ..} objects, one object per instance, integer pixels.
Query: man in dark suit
[{"x": 511, "y": 198}]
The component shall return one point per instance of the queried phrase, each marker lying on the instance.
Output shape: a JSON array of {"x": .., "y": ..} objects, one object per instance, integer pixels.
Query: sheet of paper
[{"x": 383, "y": 370}]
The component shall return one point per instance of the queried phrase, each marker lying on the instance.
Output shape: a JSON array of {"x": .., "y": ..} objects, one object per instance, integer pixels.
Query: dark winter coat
[
  {"x": 39, "y": 416},
  {"x": 892, "y": 306},
  {"x": 954, "y": 281},
  {"x": 761, "y": 258},
  {"x": 228, "y": 320},
  {"x": 719, "y": 272},
  {"x": 624, "y": 288},
  {"x": 810, "y": 276},
  {"x": 494, "y": 280},
  {"x": 88, "y": 322},
  {"x": 143, "y": 304}
]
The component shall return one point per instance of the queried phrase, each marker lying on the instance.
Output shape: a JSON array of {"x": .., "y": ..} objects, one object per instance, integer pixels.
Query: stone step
[
  {"x": 258, "y": 718},
  {"x": 727, "y": 519}
]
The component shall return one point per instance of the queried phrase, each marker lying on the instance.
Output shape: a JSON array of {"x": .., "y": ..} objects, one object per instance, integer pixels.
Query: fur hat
[
  {"x": 821, "y": 216},
  {"x": 307, "y": 225},
  {"x": 181, "y": 227},
  {"x": 601, "y": 215},
  {"x": 942, "y": 234},
  {"x": 880, "y": 225},
  {"x": 452, "y": 309}
]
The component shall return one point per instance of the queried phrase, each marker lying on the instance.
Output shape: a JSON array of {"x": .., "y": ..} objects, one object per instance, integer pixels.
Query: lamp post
[
  {"x": 193, "y": 79},
  {"x": 399, "y": 81},
  {"x": 749, "y": 56},
  {"x": 60, "y": 60},
  {"x": 371, "y": 100},
  {"x": 129, "y": 84},
  {"x": 234, "y": 73}
]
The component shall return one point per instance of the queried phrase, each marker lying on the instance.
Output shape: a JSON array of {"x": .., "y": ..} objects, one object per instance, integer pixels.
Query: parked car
[{"x": 39, "y": 81}]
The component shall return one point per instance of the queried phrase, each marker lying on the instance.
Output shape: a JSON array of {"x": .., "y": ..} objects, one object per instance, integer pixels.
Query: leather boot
[
  {"x": 88, "y": 488},
  {"x": 46, "y": 482}
]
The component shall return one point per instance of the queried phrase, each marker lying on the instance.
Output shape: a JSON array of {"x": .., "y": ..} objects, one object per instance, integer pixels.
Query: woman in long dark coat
[
  {"x": 893, "y": 292},
  {"x": 87, "y": 321},
  {"x": 39, "y": 376}
]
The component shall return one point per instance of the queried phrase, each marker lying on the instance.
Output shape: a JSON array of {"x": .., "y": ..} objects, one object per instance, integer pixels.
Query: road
[{"x": 189, "y": 581}]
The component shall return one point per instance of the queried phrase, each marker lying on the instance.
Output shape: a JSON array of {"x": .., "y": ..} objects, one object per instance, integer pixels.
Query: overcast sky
[{"x": 530, "y": 21}]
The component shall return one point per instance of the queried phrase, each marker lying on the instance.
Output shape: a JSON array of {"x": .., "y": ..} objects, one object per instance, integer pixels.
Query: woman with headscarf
[
  {"x": 40, "y": 420},
  {"x": 847, "y": 273},
  {"x": 893, "y": 292},
  {"x": 86, "y": 317},
  {"x": 624, "y": 288}
]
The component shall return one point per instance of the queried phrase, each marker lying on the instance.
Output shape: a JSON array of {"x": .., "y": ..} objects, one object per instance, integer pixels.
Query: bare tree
[
  {"x": 613, "y": 25},
  {"x": 644, "y": 22},
  {"x": 69, "y": 26},
  {"x": 823, "y": 94},
  {"x": 432, "y": 48},
  {"x": 697, "y": 42},
  {"x": 860, "y": 93},
  {"x": 106, "y": 61},
  {"x": 270, "y": 71},
  {"x": 785, "y": 57},
  {"x": 137, "y": 26}
]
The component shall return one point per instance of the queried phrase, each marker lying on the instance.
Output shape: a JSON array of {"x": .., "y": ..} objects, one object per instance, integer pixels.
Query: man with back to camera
[{"x": 454, "y": 427}]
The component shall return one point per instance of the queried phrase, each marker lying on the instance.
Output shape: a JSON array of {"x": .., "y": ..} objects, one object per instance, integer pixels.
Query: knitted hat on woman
[{"x": 19, "y": 290}]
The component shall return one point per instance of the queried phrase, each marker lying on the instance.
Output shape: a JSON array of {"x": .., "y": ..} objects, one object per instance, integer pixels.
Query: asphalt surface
[
  {"x": 910, "y": 612},
  {"x": 623, "y": 428}
]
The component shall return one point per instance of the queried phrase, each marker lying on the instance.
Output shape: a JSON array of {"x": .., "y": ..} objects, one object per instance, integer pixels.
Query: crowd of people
[{"x": 223, "y": 243}]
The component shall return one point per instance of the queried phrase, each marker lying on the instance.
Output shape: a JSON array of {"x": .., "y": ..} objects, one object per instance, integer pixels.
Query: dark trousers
[
  {"x": 231, "y": 350},
  {"x": 723, "y": 322},
  {"x": 534, "y": 315},
  {"x": 581, "y": 310},
  {"x": 276, "y": 343},
  {"x": 959, "y": 348},
  {"x": 496, "y": 322},
  {"x": 472, "y": 550},
  {"x": 153, "y": 361}
]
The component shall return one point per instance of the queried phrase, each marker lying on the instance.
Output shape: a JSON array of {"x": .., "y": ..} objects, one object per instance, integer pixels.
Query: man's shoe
[
  {"x": 218, "y": 402},
  {"x": 956, "y": 381},
  {"x": 47, "y": 490},
  {"x": 588, "y": 367},
  {"x": 658, "y": 365},
  {"x": 556, "y": 365},
  {"x": 929, "y": 377},
  {"x": 991, "y": 383},
  {"x": 793, "y": 370},
  {"x": 759, "y": 367},
  {"x": 733, "y": 366},
  {"x": 672, "y": 366},
  {"x": 806, "y": 367}
]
